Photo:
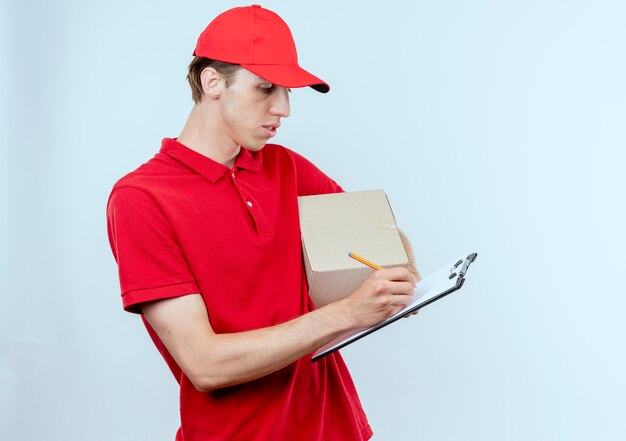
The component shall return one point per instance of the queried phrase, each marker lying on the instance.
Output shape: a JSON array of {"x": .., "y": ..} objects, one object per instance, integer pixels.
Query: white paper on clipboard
[{"x": 446, "y": 280}]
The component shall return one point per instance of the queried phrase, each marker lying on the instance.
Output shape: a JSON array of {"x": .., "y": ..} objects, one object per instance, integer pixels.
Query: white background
[{"x": 493, "y": 126}]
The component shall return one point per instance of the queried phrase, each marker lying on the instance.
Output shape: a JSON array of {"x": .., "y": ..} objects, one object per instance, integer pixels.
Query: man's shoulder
[
  {"x": 149, "y": 184},
  {"x": 152, "y": 174}
]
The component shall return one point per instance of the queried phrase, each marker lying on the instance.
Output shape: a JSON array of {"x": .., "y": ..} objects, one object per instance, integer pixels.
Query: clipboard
[{"x": 445, "y": 281}]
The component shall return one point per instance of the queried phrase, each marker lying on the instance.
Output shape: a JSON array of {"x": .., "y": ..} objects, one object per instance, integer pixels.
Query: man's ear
[{"x": 212, "y": 82}]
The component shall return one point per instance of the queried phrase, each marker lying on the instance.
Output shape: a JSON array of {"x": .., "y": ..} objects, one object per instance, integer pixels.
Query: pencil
[{"x": 364, "y": 261}]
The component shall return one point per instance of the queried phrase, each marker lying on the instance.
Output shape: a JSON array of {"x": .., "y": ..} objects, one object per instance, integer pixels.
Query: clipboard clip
[{"x": 460, "y": 268}]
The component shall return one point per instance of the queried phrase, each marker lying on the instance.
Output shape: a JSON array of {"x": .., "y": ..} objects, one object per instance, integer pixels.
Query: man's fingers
[
  {"x": 401, "y": 300},
  {"x": 414, "y": 271},
  {"x": 398, "y": 273},
  {"x": 404, "y": 288},
  {"x": 411, "y": 314}
]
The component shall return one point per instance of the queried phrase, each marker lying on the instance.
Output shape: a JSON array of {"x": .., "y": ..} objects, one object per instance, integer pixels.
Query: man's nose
[{"x": 280, "y": 106}]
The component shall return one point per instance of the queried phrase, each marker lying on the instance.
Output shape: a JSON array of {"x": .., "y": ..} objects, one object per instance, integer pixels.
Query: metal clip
[{"x": 464, "y": 266}]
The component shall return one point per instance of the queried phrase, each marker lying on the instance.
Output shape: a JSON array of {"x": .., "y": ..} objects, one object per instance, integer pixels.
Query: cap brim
[{"x": 287, "y": 75}]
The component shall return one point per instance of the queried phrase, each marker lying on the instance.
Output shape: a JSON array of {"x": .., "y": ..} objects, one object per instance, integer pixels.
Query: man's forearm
[
  {"x": 231, "y": 359},
  {"x": 213, "y": 361}
]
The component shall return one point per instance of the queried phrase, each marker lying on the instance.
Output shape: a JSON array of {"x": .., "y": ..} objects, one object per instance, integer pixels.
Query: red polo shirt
[{"x": 183, "y": 224}]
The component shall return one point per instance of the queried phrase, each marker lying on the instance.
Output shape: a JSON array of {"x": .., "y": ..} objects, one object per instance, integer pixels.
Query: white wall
[{"x": 493, "y": 126}]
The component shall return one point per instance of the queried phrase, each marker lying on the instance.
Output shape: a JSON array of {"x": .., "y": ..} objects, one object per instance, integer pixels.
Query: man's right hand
[{"x": 383, "y": 294}]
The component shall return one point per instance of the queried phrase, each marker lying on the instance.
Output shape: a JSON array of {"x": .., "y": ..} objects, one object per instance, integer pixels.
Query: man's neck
[{"x": 202, "y": 134}]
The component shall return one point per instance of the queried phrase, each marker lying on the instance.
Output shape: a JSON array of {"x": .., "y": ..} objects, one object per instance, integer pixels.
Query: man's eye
[{"x": 267, "y": 89}]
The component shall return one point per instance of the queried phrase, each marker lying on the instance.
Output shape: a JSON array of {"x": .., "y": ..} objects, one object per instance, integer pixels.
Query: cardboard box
[{"x": 333, "y": 225}]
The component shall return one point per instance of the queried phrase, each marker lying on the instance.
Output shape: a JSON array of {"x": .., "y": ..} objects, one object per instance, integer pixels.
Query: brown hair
[{"x": 198, "y": 64}]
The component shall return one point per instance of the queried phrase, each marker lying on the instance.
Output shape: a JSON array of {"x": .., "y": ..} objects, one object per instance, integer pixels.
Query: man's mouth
[{"x": 271, "y": 128}]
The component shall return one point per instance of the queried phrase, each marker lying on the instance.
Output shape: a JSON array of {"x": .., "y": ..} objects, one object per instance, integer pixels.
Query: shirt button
[
  {"x": 249, "y": 204},
  {"x": 232, "y": 174}
]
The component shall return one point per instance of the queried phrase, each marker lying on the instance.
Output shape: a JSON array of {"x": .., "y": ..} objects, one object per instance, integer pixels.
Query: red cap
[{"x": 261, "y": 42}]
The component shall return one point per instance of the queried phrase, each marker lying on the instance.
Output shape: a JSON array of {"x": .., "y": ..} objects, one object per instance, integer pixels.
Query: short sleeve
[
  {"x": 151, "y": 263},
  {"x": 311, "y": 180}
]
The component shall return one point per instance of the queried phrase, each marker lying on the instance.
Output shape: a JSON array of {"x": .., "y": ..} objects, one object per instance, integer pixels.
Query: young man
[{"x": 207, "y": 239}]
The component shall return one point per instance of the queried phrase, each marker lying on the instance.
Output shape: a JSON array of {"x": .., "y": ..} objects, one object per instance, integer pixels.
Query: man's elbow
[
  {"x": 203, "y": 383},
  {"x": 207, "y": 382},
  {"x": 204, "y": 386}
]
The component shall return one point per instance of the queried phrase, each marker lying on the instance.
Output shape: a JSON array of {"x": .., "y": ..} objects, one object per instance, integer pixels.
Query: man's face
[{"x": 252, "y": 108}]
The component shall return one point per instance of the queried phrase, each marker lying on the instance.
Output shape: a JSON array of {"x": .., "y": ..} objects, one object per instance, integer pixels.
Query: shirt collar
[{"x": 207, "y": 167}]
